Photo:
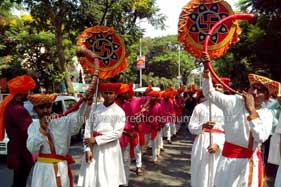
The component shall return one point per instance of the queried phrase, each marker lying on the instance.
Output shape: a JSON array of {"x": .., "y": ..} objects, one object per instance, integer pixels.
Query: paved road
[
  {"x": 173, "y": 169},
  {"x": 6, "y": 175}
]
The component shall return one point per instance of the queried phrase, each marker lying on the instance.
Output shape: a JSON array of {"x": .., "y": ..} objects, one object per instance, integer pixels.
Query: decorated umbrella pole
[
  {"x": 243, "y": 16},
  {"x": 101, "y": 53},
  {"x": 108, "y": 47},
  {"x": 196, "y": 22}
]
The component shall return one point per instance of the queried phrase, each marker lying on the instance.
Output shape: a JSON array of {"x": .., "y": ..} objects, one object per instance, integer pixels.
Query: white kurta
[
  {"x": 61, "y": 130},
  {"x": 203, "y": 164},
  {"x": 106, "y": 168},
  {"x": 233, "y": 172},
  {"x": 278, "y": 175}
]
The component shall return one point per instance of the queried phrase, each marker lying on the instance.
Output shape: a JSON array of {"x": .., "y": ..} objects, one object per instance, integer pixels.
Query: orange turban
[
  {"x": 170, "y": 89},
  {"x": 41, "y": 99},
  {"x": 271, "y": 85},
  {"x": 148, "y": 89},
  {"x": 18, "y": 85},
  {"x": 169, "y": 94},
  {"x": 126, "y": 88},
  {"x": 154, "y": 94},
  {"x": 123, "y": 89},
  {"x": 106, "y": 86}
]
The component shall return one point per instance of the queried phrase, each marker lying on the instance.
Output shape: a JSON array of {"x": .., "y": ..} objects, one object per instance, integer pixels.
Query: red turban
[
  {"x": 180, "y": 90},
  {"x": 226, "y": 80},
  {"x": 18, "y": 85},
  {"x": 107, "y": 86},
  {"x": 131, "y": 91},
  {"x": 41, "y": 99}
]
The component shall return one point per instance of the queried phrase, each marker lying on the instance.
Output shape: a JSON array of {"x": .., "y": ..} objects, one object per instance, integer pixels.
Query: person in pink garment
[
  {"x": 129, "y": 133},
  {"x": 179, "y": 105},
  {"x": 153, "y": 116},
  {"x": 168, "y": 114},
  {"x": 138, "y": 109}
]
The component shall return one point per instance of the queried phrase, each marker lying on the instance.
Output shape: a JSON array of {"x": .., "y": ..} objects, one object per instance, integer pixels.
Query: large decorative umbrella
[
  {"x": 101, "y": 52},
  {"x": 195, "y": 21},
  {"x": 108, "y": 47}
]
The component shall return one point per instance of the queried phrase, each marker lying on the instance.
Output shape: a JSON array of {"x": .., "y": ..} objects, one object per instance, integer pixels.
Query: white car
[
  {"x": 140, "y": 91},
  {"x": 3, "y": 145},
  {"x": 61, "y": 104}
]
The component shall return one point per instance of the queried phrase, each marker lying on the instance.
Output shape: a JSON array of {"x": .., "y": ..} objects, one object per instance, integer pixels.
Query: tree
[
  {"x": 161, "y": 68},
  {"x": 68, "y": 18},
  {"x": 259, "y": 45},
  {"x": 7, "y": 43}
]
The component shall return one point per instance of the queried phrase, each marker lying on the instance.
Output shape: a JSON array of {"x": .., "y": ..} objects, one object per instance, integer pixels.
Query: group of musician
[{"x": 228, "y": 129}]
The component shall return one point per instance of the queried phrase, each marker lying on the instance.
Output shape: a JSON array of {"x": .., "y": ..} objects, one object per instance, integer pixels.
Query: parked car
[
  {"x": 3, "y": 145},
  {"x": 61, "y": 104},
  {"x": 140, "y": 91},
  {"x": 4, "y": 142}
]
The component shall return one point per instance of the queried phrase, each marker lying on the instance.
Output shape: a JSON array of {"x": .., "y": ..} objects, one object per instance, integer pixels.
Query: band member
[
  {"x": 50, "y": 137},
  {"x": 128, "y": 140},
  {"x": 16, "y": 119},
  {"x": 246, "y": 127},
  {"x": 102, "y": 165},
  {"x": 208, "y": 143}
]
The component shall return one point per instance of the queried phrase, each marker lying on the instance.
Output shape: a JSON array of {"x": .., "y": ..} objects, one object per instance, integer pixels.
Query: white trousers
[
  {"x": 127, "y": 162},
  {"x": 156, "y": 146}
]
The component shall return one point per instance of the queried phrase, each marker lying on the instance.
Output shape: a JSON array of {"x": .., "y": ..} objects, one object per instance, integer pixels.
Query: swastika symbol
[
  {"x": 206, "y": 20},
  {"x": 103, "y": 48}
]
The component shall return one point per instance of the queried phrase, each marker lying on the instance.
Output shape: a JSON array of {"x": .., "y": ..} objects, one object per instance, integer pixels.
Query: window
[
  {"x": 69, "y": 103},
  {"x": 57, "y": 107}
]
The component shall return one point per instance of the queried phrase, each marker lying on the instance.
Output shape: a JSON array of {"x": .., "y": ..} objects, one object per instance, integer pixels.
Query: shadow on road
[{"x": 173, "y": 169}]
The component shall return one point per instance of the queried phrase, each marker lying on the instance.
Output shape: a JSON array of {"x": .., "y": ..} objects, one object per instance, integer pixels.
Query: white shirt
[
  {"x": 232, "y": 171},
  {"x": 106, "y": 168},
  {"x": 203, "y": 164},
  {"x": 60, "y": 130}
]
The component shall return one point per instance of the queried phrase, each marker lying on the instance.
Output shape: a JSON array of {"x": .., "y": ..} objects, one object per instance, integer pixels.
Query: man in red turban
[
  {"x": 103, "y": 159},
  {"x": 129, "y": 138},
  {"x": 16, "y": 120},
  {"x": 218, "y": 86}
]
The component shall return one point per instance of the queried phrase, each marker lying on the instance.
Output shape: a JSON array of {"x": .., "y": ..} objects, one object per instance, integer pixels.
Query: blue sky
[{"x": 172, "y": 9}]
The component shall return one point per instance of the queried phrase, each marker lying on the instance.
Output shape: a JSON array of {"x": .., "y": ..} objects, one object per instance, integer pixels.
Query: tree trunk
[
  {"x": 62, "y": 60},
  {"x": 57, "y": 23}
]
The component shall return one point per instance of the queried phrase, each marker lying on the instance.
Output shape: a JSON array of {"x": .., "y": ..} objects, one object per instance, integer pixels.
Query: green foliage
[
  {"x": 162, "y": 57},
  {"x": 67, "y": 19},
  {"x": 258, "y": 48}
]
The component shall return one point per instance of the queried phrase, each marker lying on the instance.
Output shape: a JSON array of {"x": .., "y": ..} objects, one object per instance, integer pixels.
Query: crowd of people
[{"x": 229, "y": 131}]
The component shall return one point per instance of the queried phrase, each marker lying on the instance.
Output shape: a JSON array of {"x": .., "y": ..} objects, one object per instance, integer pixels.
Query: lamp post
[
  {"x": 178, "y": 47},
  {"x": 140, "y": 68},
  {"x": 179, "y": 65}
]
